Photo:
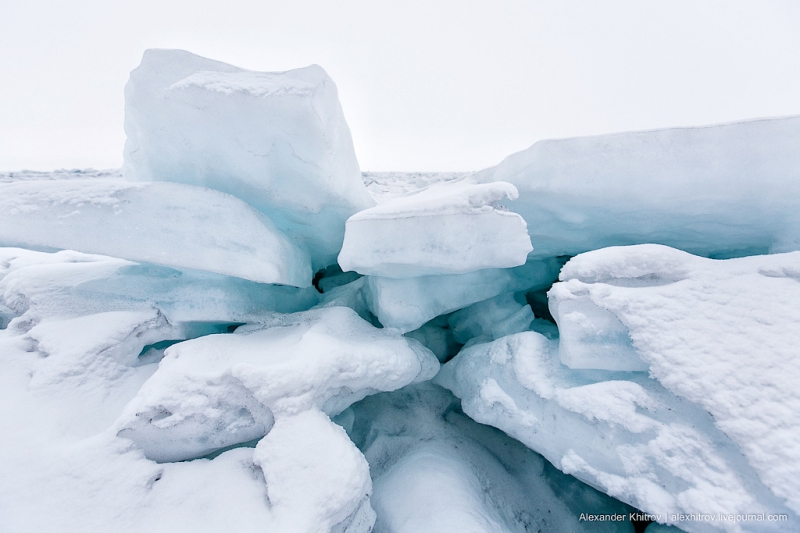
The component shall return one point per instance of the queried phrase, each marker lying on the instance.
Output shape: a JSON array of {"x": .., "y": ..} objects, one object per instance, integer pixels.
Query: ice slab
[
  {"x": 164, "y": 223},
  {"x": 728, "y": 190},
  {"x": 495, "y": 315},
  {"x": 38, "y": 286},
  {"x": 221, "y": 390},
  {"x": 449, "y": 228},
  {"x": 621, "y": 432},
  {"x": 408, "y": 303},
  {"x": 720, "y": 333},
  {"x": 436, "y": 470},
  {"x": 277, "y": 140}
]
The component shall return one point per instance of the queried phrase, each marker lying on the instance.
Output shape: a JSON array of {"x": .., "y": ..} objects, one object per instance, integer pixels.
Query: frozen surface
[
  {"x": 221, "y": 390},
  {"x": 278, "y": 140},
  {"x": 449, "y": 228},
  {"x": 722, "y": 334},
  {"x": 317, "y": 480},
  {"x": 408, "y": 303},
  {"x": 387, "y": 186},
  {"x": 621, "y": 432},
  {"x": 713, "y": 429},
  {"x": 727, "y": 190},
  {"x": 435, "y": 470},
  {"x": 165, "y": 223},
  {"x": 73, "y": 357}
]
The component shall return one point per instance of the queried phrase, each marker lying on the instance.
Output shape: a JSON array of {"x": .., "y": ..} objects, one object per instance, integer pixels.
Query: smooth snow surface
[
  {"x": 717, "y": 191},
  {"x": 709, "y": 431},
  {"x": 164, "y": 223},
  {"x": 449, "y": 228},
  {"x": 277, "y": 140}
]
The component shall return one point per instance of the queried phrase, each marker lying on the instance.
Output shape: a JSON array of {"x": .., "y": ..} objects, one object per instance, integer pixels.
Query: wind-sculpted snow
[
  {"x": 277, "y": 140},
  {"x": 621, "y": 432},
  {"x": 448, "y": 228},
  {"x": 164, "y": 223},
  {"x": 435, "y": 470},
  {"x": 722, "y": 334},
  {"x": 724, "y": 191},
  {"x": 221, "y": 390}
]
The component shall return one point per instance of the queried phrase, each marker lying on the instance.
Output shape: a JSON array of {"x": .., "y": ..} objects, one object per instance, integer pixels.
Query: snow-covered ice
[
  {"x": 449, "y": 228},
  {"x": 277, "y": 140},
  {"x": 221, "y": 390},
  {"x": 164, "y": 223},
  {"x": 708, "y": 430},
  {"x": 723, "y": 191},
  {"x": 216, "y": 368}
]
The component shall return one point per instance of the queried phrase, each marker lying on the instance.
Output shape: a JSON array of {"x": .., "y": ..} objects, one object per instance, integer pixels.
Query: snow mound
[
  {"x": 221, "y": 390},
  {"x": 164, "y": 223},
  {"x": 621, "y": 432},
  {"x": 709, "y": 431},
  {"x": 718, "y": 191},
  {"x": 445, "y": 229},
  {"x": 722, "y": 334},
  {"x": 317, "y": 480},
  {"x": 277, "y": 140}
]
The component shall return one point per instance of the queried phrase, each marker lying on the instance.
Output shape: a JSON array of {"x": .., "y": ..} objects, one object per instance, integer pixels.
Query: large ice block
[
  {"x": 277, "y": 140},
  {"x": 169, "y": 224},
  {"x": 717, "y": 191},
  {"x": 449, "y": 228},
  {"x": 408, "y": 303}
]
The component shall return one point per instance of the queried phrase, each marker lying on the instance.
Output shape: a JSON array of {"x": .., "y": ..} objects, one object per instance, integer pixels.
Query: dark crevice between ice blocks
[{"x": 153, "y": 353}]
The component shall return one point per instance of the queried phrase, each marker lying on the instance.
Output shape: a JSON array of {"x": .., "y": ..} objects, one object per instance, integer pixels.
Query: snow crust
[
  {"x": 718, "y": 191},
  {"x": 448, "y": 228},
  {"x": 164, "y": 223},
  {"x": 277, "y": 140}
]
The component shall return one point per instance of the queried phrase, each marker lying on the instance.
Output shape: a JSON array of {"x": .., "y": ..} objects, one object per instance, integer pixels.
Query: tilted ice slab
[
  {"x": 448, "y": 228},
  {"x": 277, "y": 140},
  {"x": 408, "y": 303},
  {"x": 222, "y": 390},
  {"x": 728, "y": 190},
  {"x": 435, "y": 470},
  {"x": 164, "y": 223},
  {"x": 621, "y": 432},
  {"x": 722, "y": 334},
  {"x": 40, "y": 285}
]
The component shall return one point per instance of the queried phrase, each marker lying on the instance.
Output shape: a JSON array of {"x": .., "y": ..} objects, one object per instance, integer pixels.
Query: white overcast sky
[{"x": 425, "y": 84}]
